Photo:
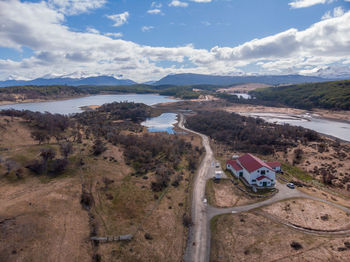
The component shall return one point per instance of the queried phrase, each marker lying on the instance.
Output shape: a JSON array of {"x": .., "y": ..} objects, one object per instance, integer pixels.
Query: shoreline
[
  {"x": 28, "y": 101},
  {"x": 339, "y": 116}
]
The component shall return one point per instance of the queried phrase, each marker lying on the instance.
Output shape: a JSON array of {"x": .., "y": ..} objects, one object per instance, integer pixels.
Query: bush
[{"x": 296, "y": 246}]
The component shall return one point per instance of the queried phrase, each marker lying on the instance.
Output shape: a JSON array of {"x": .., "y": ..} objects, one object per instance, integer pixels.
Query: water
[
  {"x": 325, "y": 126},
  {"x": 71, "y": 106},
  {"x": 242, "y": 95},
  {"x": 163, "y": 123}
]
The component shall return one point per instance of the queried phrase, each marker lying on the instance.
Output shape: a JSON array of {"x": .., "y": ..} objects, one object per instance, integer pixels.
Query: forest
[
  {"x": 16, "y": 93},
  {"x": 144, "y": 152},
  {"x": 328, "y": 95},
  {"x": 39, "y": 92},
  {"x": 249, "y": 134},
  {"x": 163, "y": 156}
]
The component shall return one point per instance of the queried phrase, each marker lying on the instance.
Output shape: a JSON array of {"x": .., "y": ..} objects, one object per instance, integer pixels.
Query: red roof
[
  {"x": 262, "y": 177},
  {"x": 274, "y": 164},
  {"x": 234, "y": 164},
  {"x": 252, "y": 163}
]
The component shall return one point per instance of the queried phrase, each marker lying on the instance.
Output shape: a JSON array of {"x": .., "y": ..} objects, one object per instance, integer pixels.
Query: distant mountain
[
  {"x": 197, "y": 79},
  {"x": 96, "y": 80},
  {"x": 338, "y": 72}
]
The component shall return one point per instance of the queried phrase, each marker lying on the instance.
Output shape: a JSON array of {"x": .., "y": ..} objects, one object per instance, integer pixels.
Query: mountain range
[
  {"x": 95, "y": 80},
  {"x": 196, "y": 79},
  {"x": 175, "y": 79}
]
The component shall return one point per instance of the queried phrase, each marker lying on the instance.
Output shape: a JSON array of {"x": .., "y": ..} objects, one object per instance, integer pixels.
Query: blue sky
[{"x": 146, "y": 40}]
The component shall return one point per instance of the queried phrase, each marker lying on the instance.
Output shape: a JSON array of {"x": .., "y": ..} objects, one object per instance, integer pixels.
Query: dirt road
[{"x": 198, "y": 243}]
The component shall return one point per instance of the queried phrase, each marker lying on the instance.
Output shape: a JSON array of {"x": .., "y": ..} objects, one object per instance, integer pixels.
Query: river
[
  {"x": 71, "y": 106},
  {"x": 329, "y": 127}
]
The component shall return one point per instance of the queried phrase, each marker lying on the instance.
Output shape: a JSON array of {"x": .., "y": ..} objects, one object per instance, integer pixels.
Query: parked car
[
  {"x": 291, "y": 185},
  {"x": 217, "y": 165}
]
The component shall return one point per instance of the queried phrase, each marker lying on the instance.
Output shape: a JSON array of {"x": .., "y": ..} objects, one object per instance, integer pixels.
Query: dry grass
[
  {"x": 249, "y": 237},
  {"x": 225, "y": 194},
  {"x": 41, "y": 219},
  {"x": 310, "y": 214}
]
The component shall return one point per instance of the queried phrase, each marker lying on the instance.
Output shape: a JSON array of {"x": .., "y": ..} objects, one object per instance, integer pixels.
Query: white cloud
[
  {"x": 337, "y": 11},
  {"x": 177, "y": 3},
  {"x": 61, "y": 51},
  {"x": 119, "y": 19},
  {"x": 92, "y": 30},
  {"x": 308, "y": 3},
  {"x": 73, "y": 7},
  {"x": 156, "y": 5},
  {"x": 115, "y": 35},
  {"x": 154, "y": 11},
  {"x": 146, "y": 28},
  {"x": 201, "y": 1}
]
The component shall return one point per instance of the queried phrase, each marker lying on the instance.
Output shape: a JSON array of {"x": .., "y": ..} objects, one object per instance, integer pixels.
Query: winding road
[{"x": 198, "y": 242}]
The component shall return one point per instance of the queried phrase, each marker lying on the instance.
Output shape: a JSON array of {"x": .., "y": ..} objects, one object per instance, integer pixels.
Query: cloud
[
  {"x": 308, "y": 3},
  {"x": 92, "y": 30},
  {"x": 116, "y": 35},
  {"x": 73, "y": 7},
  {"x": 146, "y": 28},
  {"x": 201, "y": 1},
  {"x": 337, "y": 11},
  {"x": 177, "y": 3},
  {"x": 156, "y": 5},
  {"x": 154, "y": 11},
  {"x": 60, "y": 50},
  {"x": 119, "y": 19},
  {"x": 206, "y": 23}
]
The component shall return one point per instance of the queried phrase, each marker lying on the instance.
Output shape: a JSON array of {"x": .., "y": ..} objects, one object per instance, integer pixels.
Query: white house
[{"x": 254, "y": 171}]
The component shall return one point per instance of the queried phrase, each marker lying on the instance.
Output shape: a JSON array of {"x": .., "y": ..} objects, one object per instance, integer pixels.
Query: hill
[
  {"x": 328, "y": 95},
  {"x": 96, "y": 80},
  {"x": 197, "y": 79}
]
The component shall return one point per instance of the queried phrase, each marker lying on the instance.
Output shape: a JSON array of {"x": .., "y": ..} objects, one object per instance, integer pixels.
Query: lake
[
  {"x": 163, "y": 123},
  {"x": 71, "y": 106},
  {"x": 241, "y": 95},
  {"x": 325, "y": 126}
]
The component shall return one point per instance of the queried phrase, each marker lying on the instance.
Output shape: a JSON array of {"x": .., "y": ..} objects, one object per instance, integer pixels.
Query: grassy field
[
  {"x": 250, "y": 237},
  {"x": 46, "y": 212}
]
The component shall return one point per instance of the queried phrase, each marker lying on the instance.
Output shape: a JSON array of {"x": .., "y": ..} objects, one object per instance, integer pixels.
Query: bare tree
[{"x": 66, "y": 148}]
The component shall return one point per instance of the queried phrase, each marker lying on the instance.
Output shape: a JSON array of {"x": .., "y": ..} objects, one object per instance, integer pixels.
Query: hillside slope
[
  {"x": 197, "y": 79},
  {"x": 328, "y": 95}
]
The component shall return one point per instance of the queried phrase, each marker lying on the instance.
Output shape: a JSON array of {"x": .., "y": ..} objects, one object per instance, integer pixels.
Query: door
[{"x": 264, "y": 183}]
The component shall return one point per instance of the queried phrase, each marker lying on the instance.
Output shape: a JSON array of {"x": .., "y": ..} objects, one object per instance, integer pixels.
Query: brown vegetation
[{"x": 250, "y": 237}]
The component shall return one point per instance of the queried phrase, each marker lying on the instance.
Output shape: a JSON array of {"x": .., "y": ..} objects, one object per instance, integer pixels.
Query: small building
[
  {"x": 218, "y": 175},
  {"x": 275, "y": 166},
  {"x": 253, "y": 170}
]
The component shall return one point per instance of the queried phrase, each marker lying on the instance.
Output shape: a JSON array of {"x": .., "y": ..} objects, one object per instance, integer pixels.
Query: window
[
  {"x": 262, "y": 172},
  {"x": 267, "y": 171},
  {"x": 254, "y": 180}
]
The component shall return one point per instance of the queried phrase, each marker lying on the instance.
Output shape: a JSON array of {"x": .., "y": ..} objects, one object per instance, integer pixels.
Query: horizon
[{"x": 148, "y": 40}]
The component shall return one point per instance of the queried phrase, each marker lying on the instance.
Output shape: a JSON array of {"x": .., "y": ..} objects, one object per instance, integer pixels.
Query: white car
[{"x": 291, "y": 185}]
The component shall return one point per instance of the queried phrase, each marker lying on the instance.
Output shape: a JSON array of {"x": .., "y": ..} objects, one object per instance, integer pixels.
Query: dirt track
[{"x": 198, "y": 243}]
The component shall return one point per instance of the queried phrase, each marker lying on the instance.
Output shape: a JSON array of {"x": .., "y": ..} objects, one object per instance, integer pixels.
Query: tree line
[
  {"x": 248, "y": 134},
  {"x": 328, "y": 95}
]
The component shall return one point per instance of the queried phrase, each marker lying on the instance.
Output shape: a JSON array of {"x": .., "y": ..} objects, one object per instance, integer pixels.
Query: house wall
[
  {"x": 268, "y": 173},
  {"x": 277, "y": 168},
  {"x": 251, "y": 177},
  {"x": 233, "y": 171}
]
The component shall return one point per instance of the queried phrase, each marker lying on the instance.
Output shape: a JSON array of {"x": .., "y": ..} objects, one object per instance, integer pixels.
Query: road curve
[{"x": 198, "y": 242}]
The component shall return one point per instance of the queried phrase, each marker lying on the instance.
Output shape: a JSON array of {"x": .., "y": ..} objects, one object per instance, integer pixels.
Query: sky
[{"x": 146, "y": 40}]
